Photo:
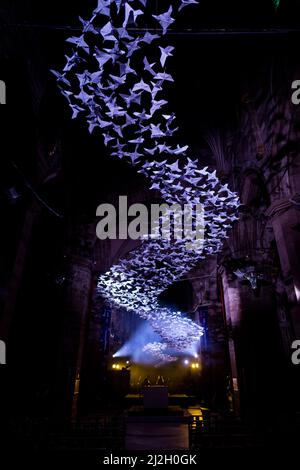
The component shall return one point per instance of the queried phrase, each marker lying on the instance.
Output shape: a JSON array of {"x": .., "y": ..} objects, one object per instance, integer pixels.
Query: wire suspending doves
[{"x": 116, "y": 81}]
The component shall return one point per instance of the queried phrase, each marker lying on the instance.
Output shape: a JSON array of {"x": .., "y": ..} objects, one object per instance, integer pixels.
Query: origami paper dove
[
  {"x": 141, "y": 86},
  {"x": 107, "y": 31},
  {"x": 149, "y": 67},
  {"x": 148, "y": 38},
  {"x": 165, "y": 19},
  {"x": 103, "y": 7},
  {"x": 165, "y": 53},
  {"x": 130, "y": 15},
  {"x": 87, "y": 26},
  {"x": 164, "y": 77},
  {"x": 157, "y": 105},
  {"x": 185, "y": 3}
]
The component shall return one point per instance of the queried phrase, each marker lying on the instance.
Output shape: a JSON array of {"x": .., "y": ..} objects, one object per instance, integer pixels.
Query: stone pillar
[
  {"x": 256, "y": 353},
  {"x": 214, "y": 356},
  {"x": 217, "y": 356},
  {"x": 286, "y": 225},
  {"x": 18, "y": 269},
  {"x": 73, "y": 335},
  {"x": 94, "y": 373},
  {"x": 232, "y": 316}
]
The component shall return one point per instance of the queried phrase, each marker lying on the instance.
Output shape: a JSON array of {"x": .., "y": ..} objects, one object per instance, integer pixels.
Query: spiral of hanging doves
[{"x": 116, "y": 81}]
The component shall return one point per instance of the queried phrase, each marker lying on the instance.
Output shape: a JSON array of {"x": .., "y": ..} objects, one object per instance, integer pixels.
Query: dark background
[{"x": 211, "y": 69}]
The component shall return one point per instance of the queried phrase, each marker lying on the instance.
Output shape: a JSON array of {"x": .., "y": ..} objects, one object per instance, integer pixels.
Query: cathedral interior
[{"x": 75, "y": 373}]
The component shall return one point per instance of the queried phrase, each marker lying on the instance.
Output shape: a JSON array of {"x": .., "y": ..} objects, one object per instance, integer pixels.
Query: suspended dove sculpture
[{"x": 116, "y": 82}]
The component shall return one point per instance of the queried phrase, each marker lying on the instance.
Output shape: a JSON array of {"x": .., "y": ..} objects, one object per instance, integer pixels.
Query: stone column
[
  {"x": 217, "y": 356},
  {"x": 256, "y": 353},
  {"x": 214, "y": 356},
  {"x": 73, "y": 335},
  {"x": 232, "y": 316},
  {"x": 18, "y": 269},
  {"x": 286, "y": 225}
]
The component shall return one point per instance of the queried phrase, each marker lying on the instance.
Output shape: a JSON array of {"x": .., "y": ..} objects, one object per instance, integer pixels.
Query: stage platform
[{"x": 182, "y": 400}]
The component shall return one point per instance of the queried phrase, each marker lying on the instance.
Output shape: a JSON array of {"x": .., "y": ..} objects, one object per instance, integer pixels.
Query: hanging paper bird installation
[{"x": 115, "y": 78}]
